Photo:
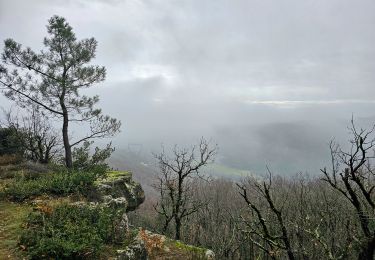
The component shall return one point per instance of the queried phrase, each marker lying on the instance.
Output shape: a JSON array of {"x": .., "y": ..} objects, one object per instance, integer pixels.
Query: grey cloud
[{"x": 268, "y": 80}]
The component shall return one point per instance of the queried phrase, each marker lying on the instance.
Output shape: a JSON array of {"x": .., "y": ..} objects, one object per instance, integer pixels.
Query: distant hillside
[{"x": 144, "y": 168}]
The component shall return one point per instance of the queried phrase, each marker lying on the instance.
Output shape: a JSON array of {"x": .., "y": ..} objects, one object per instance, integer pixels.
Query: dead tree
[
  {"x": 353, "y": 177},
  {"x": 40, "y": 141},
  {"x": 273, "y": 234},
  {"x": 176, "y": 174}
]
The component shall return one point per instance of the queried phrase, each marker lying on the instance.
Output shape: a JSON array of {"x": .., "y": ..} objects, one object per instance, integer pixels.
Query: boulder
[
  {"x": 118, "y": 189},
  {"x": 135, "y": 251},
  {"x": 148, "y": 245}
]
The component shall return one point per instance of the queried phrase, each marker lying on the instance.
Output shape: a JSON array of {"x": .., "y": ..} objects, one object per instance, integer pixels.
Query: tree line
[{"x": 330, "y": 216}]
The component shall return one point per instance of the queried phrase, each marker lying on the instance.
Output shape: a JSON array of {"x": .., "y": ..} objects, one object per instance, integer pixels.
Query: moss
[
  {"x": 114, "y": 175},
  {"x": 188, "y": 248}
]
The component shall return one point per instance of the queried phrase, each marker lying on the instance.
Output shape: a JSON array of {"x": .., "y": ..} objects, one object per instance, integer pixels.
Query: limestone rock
[
  {"x": 135, "y": 251},
  {"x": 121, "y": 228},
  {"x": 148, "y": 245},
  {"x": 209, "y": 254},
  {"x": 117, "y": 187},
  {"x": 118, "y": 203}
]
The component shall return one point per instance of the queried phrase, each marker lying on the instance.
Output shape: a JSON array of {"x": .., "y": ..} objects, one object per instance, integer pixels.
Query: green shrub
[
  {"x": 10, "y": 141},
  {"x": 21, "y": 190},
  {"x": 54, "y": 184},
  {"x": 82, "y": 160},
  {"x": 68, "y": 232}
]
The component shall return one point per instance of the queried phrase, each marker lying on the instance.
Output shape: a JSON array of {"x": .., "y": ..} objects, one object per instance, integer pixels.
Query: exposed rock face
[
  {"x": 120, "y": 192},
  {"x": 121, "y": 228},
  {"x": 135, "y": 251},
  {"x": 118, "y": 189}
]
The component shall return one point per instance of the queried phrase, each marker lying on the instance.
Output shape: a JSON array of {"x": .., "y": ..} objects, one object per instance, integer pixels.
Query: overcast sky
[{"x": 270, "y": 81}]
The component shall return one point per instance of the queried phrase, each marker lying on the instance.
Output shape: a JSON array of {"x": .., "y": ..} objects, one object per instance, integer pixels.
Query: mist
[{"x": 271, "y": 82}]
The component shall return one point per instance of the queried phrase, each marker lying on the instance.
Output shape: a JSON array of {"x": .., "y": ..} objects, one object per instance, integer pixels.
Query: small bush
[
  {"x": 82, "y": 160},
  {"x": 8, "y": 159},
  {"x": 22, "y": 188},
  {"x": 34, "y": 169},
  {"x": 25, "y": 169},
  {"x": 10, "y": 141},
  {"x": 68, "y": 232}
]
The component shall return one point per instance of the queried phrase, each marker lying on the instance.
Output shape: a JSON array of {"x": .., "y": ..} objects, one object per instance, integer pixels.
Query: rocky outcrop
[
  {"x": 147, "y": 245},
  {"x": 135, "y": 250},
  {"x": 118, "y": 191},
  {"x": 117, "y": 188}
]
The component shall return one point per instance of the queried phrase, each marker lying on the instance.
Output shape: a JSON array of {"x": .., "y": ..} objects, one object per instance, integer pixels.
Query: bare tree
[
  {"x": 174, "y": 182},
  {"x": 215, "y": 225},
  {"x": 275, "y": 233},
  {"x": 40, "y": 141},
  {"x": 283, "y": 217},
  {"x": 353, "y": 177}
]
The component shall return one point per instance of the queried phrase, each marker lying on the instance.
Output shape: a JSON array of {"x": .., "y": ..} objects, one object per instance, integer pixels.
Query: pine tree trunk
[{"x": 68, "y": 149}]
